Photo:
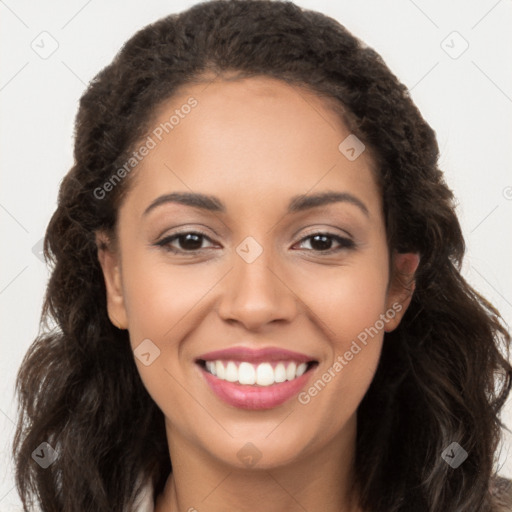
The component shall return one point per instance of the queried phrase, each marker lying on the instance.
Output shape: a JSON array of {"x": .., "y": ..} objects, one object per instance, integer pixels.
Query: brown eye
[
  {"x": 189, "y": 241},
  {"x": 322, "y": 242}
]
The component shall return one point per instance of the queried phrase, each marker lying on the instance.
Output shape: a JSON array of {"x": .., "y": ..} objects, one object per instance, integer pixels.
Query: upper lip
[{"x": 255, "y": 355}]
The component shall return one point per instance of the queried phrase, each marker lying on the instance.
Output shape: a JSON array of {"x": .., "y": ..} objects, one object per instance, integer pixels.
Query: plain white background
[{"x": 454, "y": 58}]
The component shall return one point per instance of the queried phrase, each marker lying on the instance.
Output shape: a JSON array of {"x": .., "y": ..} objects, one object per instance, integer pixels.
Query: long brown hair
[{"x": 443, "y": 376}]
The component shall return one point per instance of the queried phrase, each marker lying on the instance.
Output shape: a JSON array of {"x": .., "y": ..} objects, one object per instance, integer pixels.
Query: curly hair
[{"x": 444, "y": 373}]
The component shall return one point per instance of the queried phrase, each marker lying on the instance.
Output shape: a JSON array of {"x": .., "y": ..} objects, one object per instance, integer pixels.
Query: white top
[{"x": 145, "y": 501}]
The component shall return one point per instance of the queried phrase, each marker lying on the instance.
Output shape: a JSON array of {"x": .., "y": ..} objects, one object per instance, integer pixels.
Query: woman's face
[{"x": 253, "y": 275}]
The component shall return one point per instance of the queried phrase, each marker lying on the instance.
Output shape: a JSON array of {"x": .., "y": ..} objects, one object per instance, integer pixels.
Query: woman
[{"x": 257, "y": 288}]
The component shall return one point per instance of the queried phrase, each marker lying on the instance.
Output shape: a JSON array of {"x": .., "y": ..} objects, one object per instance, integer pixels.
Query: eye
[
  {"x": 322, "y": 242},
  {"x": 190, "y": 241}
]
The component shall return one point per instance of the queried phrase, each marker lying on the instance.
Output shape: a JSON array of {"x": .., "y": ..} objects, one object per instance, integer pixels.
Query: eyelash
[{"x": 345, "y": 243}]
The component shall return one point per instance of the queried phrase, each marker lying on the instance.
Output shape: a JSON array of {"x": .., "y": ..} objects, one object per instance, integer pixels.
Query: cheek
[
  {"x": 349, "y": 309},
  {"x": 160, "y": 300},
  {"x": 164, "y": 302},
  {"x": 349, "y": 299},
  {"x": 159, "y": 296}
]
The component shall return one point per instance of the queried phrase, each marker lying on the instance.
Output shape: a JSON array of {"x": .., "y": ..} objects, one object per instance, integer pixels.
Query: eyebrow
[{"x": 296, "y": 204}]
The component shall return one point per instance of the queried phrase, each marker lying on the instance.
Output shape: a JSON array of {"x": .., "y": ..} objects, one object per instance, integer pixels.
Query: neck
[{"x": 321, "y": 480}]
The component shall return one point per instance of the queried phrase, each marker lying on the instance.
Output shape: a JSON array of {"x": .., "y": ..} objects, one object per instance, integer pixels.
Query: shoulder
[{"x": 501, "y": 490}]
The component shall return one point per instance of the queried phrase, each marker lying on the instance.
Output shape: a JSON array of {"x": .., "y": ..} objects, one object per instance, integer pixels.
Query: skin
[{"x": 254, "y": 143}]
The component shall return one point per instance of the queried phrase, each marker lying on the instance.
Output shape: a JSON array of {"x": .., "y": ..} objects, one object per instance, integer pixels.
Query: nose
[{"x": 257, "y": 293}]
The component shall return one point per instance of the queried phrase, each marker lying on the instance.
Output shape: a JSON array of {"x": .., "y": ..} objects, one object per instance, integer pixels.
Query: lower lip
[{"x": 255, "y": 397}]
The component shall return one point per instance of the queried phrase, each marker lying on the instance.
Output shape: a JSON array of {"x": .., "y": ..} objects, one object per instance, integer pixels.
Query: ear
[
  {"x": 108, "y": 256},
  {"x": 401, "y": 286}
]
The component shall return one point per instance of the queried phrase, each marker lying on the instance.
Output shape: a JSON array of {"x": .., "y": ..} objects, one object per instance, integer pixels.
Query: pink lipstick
[{"x": 256, "y": 379}]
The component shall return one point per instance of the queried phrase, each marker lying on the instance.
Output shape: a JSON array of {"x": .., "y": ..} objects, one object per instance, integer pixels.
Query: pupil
[
  {"x": 189, "y": 242},
  {"x": 324, "y": 244}
]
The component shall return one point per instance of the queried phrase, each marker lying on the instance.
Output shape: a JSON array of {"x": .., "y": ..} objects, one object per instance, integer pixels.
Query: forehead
[{"x": 248, "y": 140}]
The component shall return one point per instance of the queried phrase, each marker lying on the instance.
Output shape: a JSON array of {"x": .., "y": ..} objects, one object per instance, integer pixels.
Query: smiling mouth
[{"x": 262, "y": 374}]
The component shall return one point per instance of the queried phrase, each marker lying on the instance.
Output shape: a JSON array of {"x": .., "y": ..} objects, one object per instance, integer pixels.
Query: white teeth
[
  {"x": 301, "y": 369},
  {"x": 211, "y": 367},
  {"x": 246, "y": 374},
  {"x": 290, "y": 371},
  {"x": 263, "y": 374},
  {"x": 280, "y": 373},
  {"x": 219, "y": 367},
  {"x": 231, "y": 372}
]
